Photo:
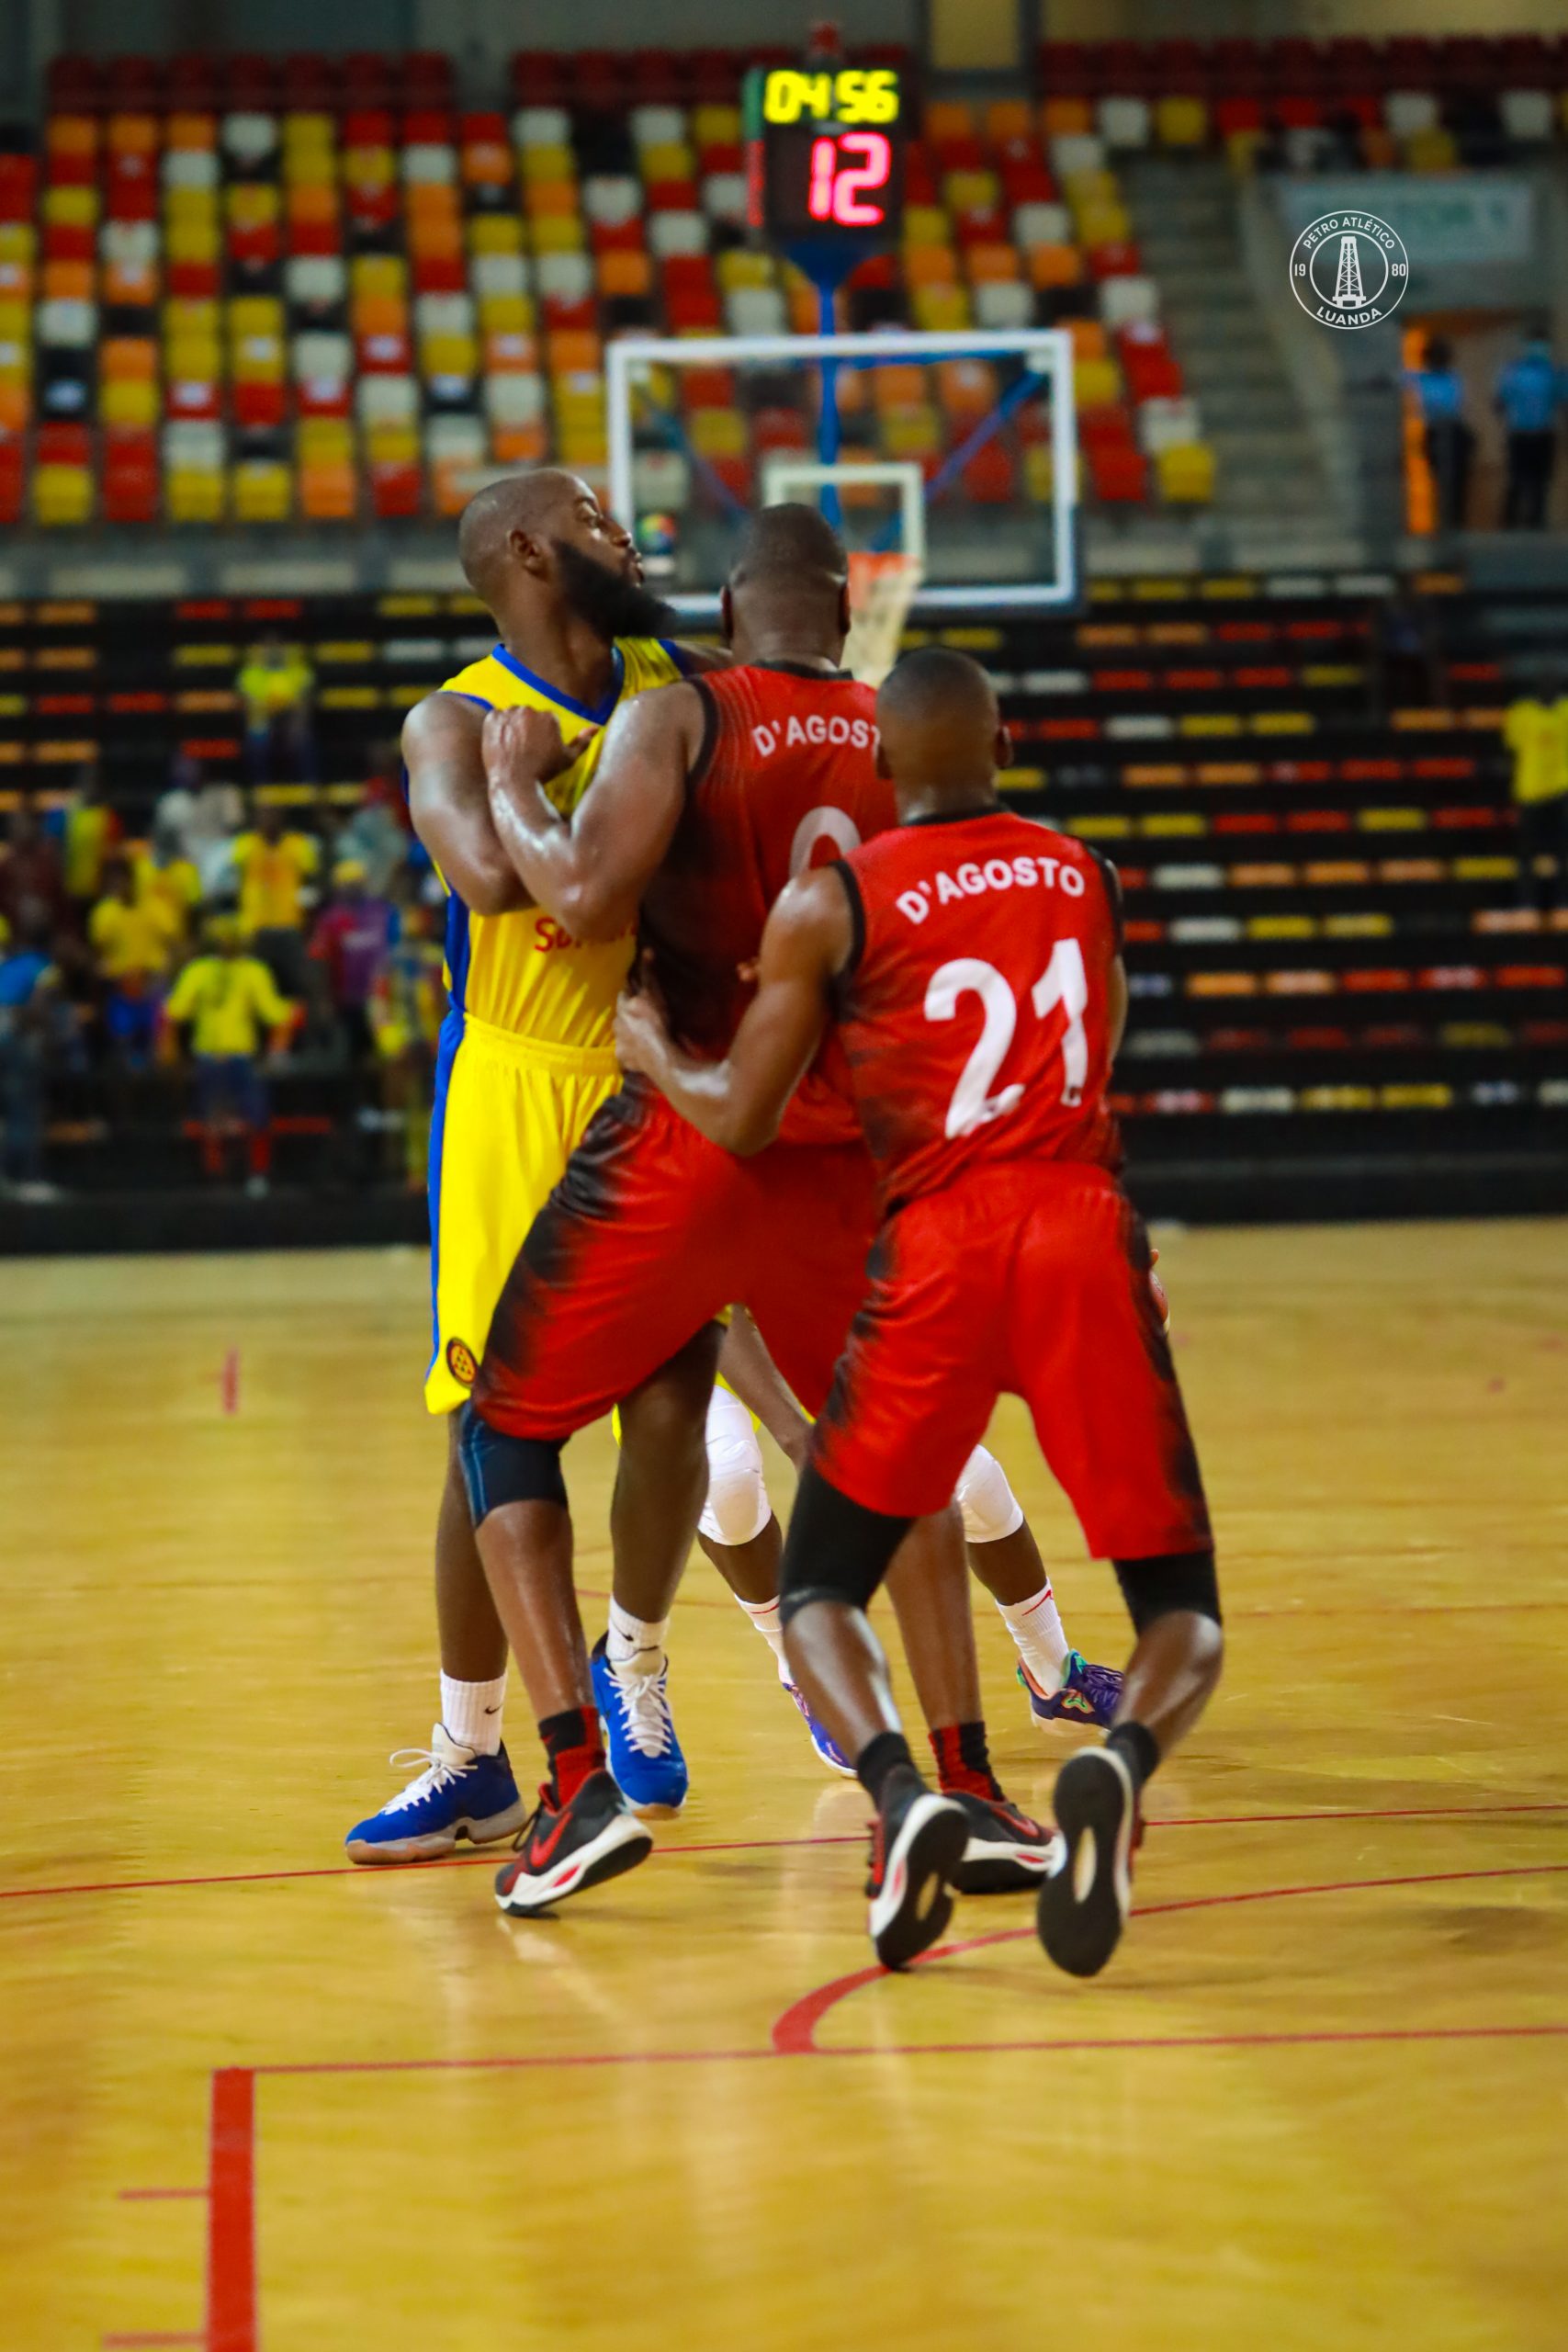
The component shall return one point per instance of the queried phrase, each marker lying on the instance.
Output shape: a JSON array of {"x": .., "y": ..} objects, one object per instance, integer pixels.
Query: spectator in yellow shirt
[
  {"x": 277, "y": 685},
  {"x": 229, "y": 1001},
  {"x": 133, "y": 942},
  {"x": 167, "y": 878},
  {"x": 276, "y": 866},
  {"x": 91, "y": 830},
  {"x": 1536, "y": 731}
]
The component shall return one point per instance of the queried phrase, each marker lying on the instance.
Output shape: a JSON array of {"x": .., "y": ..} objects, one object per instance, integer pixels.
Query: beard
[{"x": 612, "y": 605}]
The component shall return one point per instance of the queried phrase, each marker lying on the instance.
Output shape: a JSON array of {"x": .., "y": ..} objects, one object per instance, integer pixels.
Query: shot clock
[{"x": 825, "y": 160}]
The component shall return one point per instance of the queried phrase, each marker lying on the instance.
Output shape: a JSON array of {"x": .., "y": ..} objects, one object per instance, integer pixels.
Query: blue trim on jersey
[
  {"x": 446, "y": 1055},
  {"x": 676, "y": 653},
  {"x": 459, "y": 696},
  {"x": 458, "y": 944},
  {"x": 569, "y": 702}
]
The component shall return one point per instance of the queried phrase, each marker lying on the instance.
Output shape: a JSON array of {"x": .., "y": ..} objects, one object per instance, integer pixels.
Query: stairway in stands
[{"x": 1269, "y": 472}]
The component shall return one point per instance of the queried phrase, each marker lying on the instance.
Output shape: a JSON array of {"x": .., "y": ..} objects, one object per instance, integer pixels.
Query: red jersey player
[
  {"x": 706, "y": 798},
  {"x": 971, "y": 962}
]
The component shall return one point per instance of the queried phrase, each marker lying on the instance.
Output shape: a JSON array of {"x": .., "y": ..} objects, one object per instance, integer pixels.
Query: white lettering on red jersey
[
  {"x": 974, "y": 1014},
  {"x": 786, "y": 779}
]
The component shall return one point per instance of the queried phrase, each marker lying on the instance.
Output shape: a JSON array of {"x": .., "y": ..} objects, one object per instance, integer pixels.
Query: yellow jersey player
[{"x": 526, "y": 1055}]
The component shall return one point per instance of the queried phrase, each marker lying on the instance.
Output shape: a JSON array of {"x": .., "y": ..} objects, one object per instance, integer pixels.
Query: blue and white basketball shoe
[
  {"x": 639, "y": 1734},
  {"x": 458, "y": 1794},
  {"x": 822, "y": 1739}
]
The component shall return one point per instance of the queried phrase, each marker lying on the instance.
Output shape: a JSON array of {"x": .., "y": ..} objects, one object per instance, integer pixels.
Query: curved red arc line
[{"x": 793, "y": 2034}]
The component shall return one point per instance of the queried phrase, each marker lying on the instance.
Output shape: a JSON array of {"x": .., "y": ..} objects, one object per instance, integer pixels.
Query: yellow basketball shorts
[{"x": 508, "y": 1114}]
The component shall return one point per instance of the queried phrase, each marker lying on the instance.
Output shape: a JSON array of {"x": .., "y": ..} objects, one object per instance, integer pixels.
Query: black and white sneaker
[
  {"x": 915, "y": 1851},
  {"x": 1088, "y": 1889},
  {"x": 1006, "y": 1852},
  {"x": 563, "y": 1849}
]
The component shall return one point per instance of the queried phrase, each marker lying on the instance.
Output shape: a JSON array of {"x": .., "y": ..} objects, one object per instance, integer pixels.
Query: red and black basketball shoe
[
  {"x": 1006, "y": 1852},
  {"x": 563, "y": 1849},
  {"x": 915, "y": 1847}
]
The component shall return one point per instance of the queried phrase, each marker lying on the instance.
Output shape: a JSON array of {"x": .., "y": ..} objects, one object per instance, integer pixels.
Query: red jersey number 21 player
[{"x": 971, "y": 963}]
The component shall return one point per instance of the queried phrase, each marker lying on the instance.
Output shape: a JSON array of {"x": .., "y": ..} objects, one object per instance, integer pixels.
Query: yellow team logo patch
[{"x": 460, "y": 1362}]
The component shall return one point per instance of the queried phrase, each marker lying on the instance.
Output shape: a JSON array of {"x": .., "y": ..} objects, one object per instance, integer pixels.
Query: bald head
[
  {"x": 534, "y": 505},
  {"x": 788, "y": 588},
  {"x": 941, "y": 733}
]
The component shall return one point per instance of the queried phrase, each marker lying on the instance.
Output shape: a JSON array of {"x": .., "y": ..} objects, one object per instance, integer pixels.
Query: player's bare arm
[
  {"x": 738, "y": 1102},
  {"x": 590, "y": 870},
  {"x": 450, "y": 807}
]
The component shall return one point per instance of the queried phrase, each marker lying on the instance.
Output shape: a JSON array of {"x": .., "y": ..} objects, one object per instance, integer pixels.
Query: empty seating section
[
  {"x": 1406, "y": 103},
  {"x": 1322, "y": 892},
  {"x": 256, "y": 290}
]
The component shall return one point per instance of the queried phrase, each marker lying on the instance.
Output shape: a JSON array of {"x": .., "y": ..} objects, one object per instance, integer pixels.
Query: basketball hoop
[{"x": 882, "y": 588}]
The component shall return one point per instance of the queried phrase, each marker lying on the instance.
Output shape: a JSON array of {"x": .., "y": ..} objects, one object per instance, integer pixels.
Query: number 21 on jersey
[{"x": 1064, "y": 982}]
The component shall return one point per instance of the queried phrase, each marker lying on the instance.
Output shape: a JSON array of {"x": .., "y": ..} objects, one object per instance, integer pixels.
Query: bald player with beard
[{"x": 525, "y": 1056}]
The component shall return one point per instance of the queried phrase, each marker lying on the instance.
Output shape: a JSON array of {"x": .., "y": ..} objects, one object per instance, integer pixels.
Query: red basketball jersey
[
  {"x": 974, "y": 1013},
  {"x": 786, "y": 779}
]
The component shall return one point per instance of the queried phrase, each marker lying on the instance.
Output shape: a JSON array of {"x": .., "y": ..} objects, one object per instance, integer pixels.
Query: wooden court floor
[{"x": 253, "y": 2097}]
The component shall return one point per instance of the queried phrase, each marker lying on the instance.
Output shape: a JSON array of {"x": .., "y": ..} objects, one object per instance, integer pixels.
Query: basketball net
[{"x": 882, "y": 588}]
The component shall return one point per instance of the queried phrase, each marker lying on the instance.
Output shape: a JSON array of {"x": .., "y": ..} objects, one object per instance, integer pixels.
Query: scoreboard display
[{"x": 825, "y": 156}]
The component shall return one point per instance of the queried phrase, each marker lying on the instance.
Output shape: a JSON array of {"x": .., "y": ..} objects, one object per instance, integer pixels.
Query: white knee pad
[
  {"x": 737, "y": 1507},
  {"x": 989, "y": 1507}
]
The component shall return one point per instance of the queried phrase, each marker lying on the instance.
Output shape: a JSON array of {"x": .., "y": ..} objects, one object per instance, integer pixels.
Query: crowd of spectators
[{"x": 244, "y": 935}]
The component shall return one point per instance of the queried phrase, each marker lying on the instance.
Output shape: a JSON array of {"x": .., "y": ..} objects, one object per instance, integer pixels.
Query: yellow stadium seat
[
  {"x": 62, "y": 495},
  {"x": 262, "y": 490},
  {"x": 941, "y": 310},
  {"x": 127, "y": 400},
  {"x": 191, "y": 240},
  {"x": 1104, "y": 224},
  {"x": 1097, "y": 383},
  {"x": 739, "y": 268},
  {"x": 70, "y": 208},
  {"x": 1431, "y": 150},
  {"x": 911, "y": 432},
  {"x": 1181, "y": 122},
  {"x": 19, "y": 242},
  {"x": 16, "y": 320},
  {"x": 495, "y": 233},
  {"x": 582, "y": 444},
  {"x": 449, "y": 355},
  {"x": 196, "y": 204},
  {"x": 188, "y": 359},
  {"x": 379, "y": 274},
  {"x": 972, "y": 191},
  {"x": 193, "y": 497},
  {"x": 671, "y": 162},
  {"x": 561, "y": 235},
  {"x": 1186, "y": 474},
  {"x": 716, "y": 126},
  {"x": 251, "y": 204},
  {"x": 547, "y": 164},
  {"x": 926, "y": 224},
  {"x": 324, "y": 440},
  {"x": 255, "y": 315},
  {"x": 392, "y": 445},
  {"x": 514, "y": 313},
  {"x": 716, "y": 433}
]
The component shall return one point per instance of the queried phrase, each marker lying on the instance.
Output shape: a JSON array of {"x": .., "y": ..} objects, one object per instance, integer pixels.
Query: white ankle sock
[
  {"x": 765, "y": 1615},
  {"x": 1036, "y": 1626},
  {"x": 635, "y": 1642},
  {"x": 472, "y": 1712}
]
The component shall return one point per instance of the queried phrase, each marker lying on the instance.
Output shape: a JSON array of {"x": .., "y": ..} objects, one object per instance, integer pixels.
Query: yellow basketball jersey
[{"x": 522, "y": 971}]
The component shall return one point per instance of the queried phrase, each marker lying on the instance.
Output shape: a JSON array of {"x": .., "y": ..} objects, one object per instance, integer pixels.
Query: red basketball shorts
[
  {"x": 652, "y": 1232},
  {"x": 1031, "y": 1279}
]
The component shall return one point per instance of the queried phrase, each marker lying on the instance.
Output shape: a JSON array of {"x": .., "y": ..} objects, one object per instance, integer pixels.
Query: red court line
[
  {"x": 231, "y": 2213},
  {"x": 370, "y": 1872},
  {"x": 232, "y": 2265},
  {"x": 793, "y": 2034}
]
